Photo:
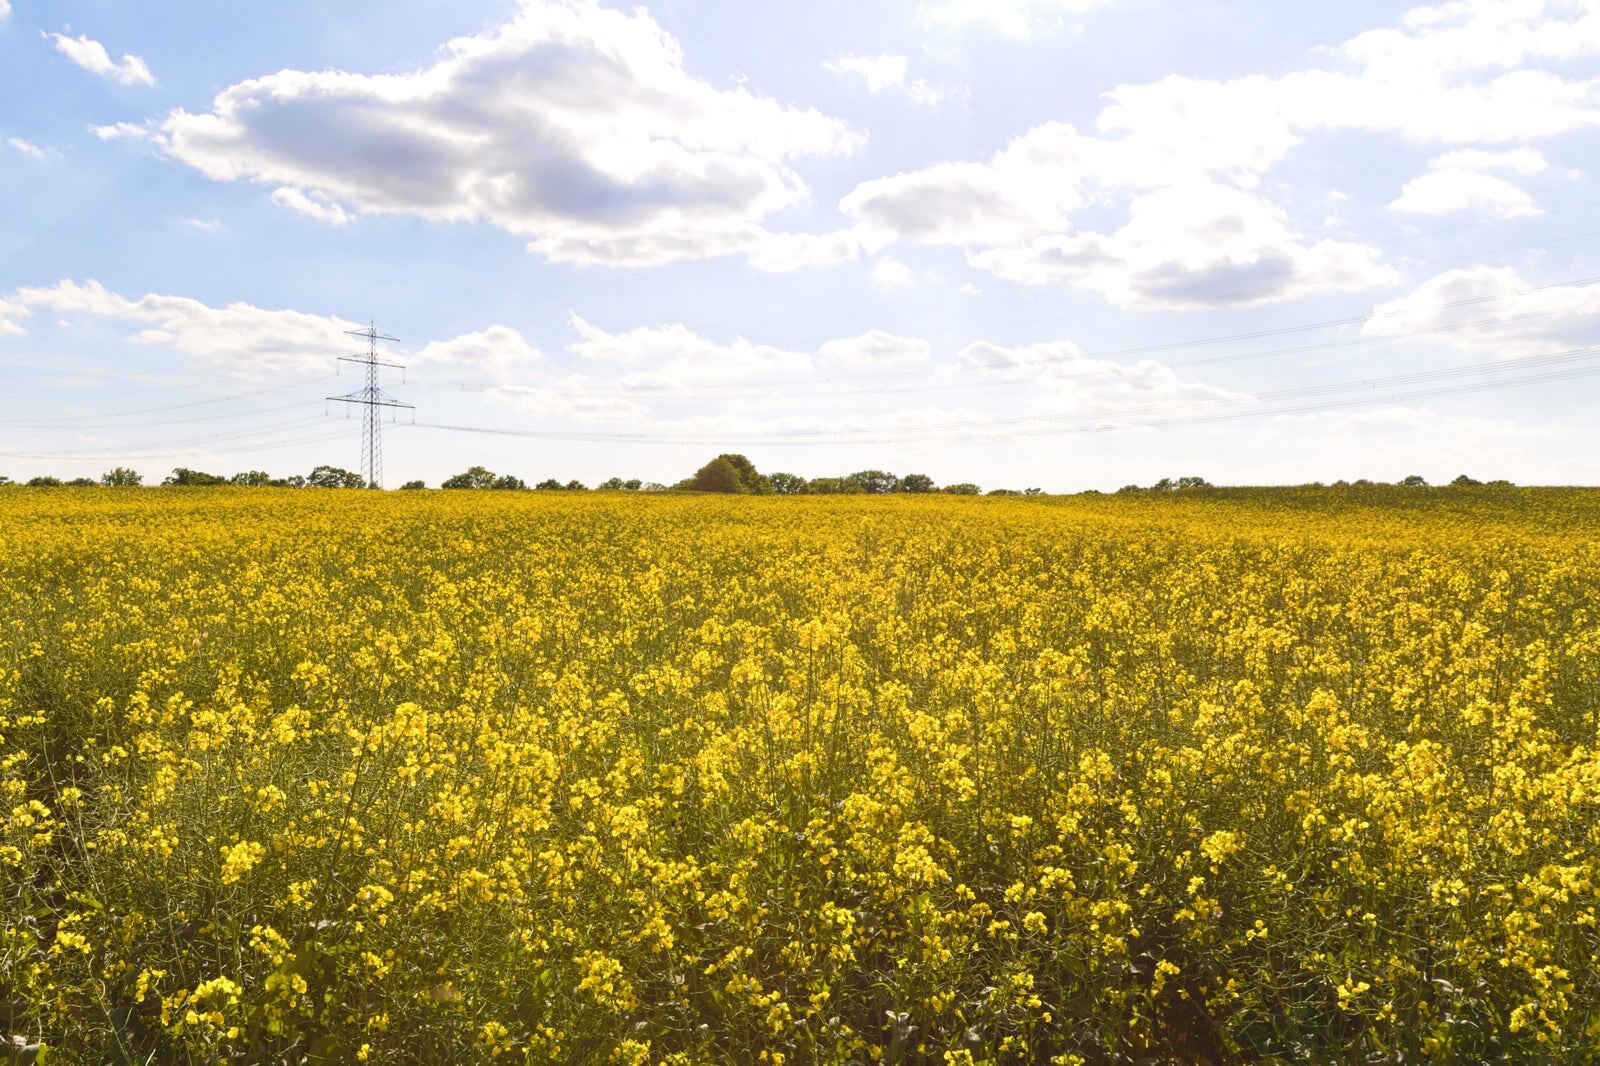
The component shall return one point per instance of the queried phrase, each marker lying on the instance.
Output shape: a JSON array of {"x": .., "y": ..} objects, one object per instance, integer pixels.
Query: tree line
[{"x": 727, "y": 473}]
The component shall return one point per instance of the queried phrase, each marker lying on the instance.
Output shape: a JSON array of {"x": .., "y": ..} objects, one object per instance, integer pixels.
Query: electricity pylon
[{"x": 372, "y": 398}]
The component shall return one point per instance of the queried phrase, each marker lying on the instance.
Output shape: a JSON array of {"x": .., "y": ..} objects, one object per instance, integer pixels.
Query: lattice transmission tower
[{"x": 372, "y": 398}]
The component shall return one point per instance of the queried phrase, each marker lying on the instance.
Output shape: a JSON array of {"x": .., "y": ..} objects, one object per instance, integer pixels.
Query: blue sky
[{"x": 1059, "y": 243}]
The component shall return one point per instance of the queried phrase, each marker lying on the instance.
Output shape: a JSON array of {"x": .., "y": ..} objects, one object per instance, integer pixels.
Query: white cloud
[
  {"x": 1453, "y": 73},
  {"x": 10, "y": 311},
  {"x": 1193, "y": 247},
  {"x": 1022, "y": 190},
  {"x": 204, "y": 225},
  {"x": 26, "y": 147},
  {"x": 1455, "y": 182},
  {"x": 497, "y": 349},
  {"x": 572, "y": 125},
  {"x": 879, "y": 72},
  {"x": 933, "y": 95},
  {"x": 1440, "y": 192},
  {"x": 1516, "y": 160},
  {"x": 672, "y": 356},
  {"x": 1014, "y": 18},
  {"x": 92, "y": 56},
  {"x": 239, "y": 338},
  {"x": 5, "y": 9},
  {"x": 891, "y": 272},
  {"x": 969, "y": 289},
  {"x": 117, "y": 130},
  {"x": 299, "y": 202},
  {"x": 1094, "y": 387},
  {"x": 1516, "y": 322},
  {"x": 875, "y": 349},
  {"x": 569, "y": 398}
]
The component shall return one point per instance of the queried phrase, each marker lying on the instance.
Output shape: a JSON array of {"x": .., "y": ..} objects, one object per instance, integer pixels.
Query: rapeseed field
[{"x": 1301, "y": 775}]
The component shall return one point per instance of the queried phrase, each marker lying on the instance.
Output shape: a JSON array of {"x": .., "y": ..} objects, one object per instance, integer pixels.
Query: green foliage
[
  {"x": 962, "y": 488},
  {"x": 1414, "y": 481},
  {"x": 182, "y": 475},
  {"x": 917, "y": 483},
  {"x": 474, "y": 477},
  {"x": 719, "y": 475},
  {"x": 333, "y": 477},
  {"x": 252, "y": 478},
  {"x": 417, "y": 484},
  {"x": 832, "y": 486},
  {"x": 728, "y": 473},
  {"x": 875, "y": 482},
  {"x": 121, "y": 477}
]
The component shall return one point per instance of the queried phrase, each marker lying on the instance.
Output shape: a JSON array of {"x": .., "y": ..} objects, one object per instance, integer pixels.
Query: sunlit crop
[{"x": 347, "y": 776}]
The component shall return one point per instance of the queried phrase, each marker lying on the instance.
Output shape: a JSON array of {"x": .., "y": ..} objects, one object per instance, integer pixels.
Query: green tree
[
  {"x": 510, "y": 482},
  {"x": 182, "y": 475},
  {"x": 917, "y": 483},
  {"x": 962, "y": 488},
  {"x": 1193, "y": 483},
  {"x": 418, "y": 484},
  {"x": 832, "y": 486},
  {"x": 474, "y": 477},
  {"x": 548, "y": 483},
  {"x": 787, "y": 484},
  {"x": 875, "y": 482},
  {"x": 120, "y": 477},
  {"x": 44, "y": 481},
  {"x": 334, "y": 477},
  {"x": 576, "y": 486},
  {"x": 1414, "y": 481},
  {"x": 252, "y": 478},
  {"x": 1463, "y": 481},
  {"x": 719, "y": 475}
]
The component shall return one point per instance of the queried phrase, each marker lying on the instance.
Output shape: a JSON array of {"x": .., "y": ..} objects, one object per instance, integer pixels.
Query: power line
[
  {"x": 1100, "y": 419},
  {"x": 788, "y": 388}
]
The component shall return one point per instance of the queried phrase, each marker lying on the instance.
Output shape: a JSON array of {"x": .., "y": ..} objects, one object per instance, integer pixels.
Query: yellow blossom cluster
[{"x": 1277, "y": 776}]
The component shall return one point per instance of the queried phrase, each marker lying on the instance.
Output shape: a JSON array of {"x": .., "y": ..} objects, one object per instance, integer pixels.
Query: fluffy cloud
[
  {"x": 875, "y": 350},
  {"x": 1091, "y": 387},
  {"x": 1027, "y": 187},
  {"x": 571, "y": 398},
  {"x": 1193, "y": 247},
  {"x": 891, "y": 272},
  {"x": 1475, "y": 73},
  {"x": 239, "y": 338},
  {"x": 1441, "y": 192},
  {"x": 572, "y": 125},
  {"x": 1516, "y": 318},
  {"x": 1456, "y": 182},
  {"x": 92, "y": 56},
  {"x": 117, "y": 131},
  {"x": 879, "y": 72},
  {"x": 301, "y": 203},
  {"x": 5, "y": 9},
  {"x": 674, "y": 357},
  {"x": 1014, "y": 18},
  {"x": 497, "y": 349},
  {"x": 26, "y": 147},
  {"x": 933, "y": 95}
]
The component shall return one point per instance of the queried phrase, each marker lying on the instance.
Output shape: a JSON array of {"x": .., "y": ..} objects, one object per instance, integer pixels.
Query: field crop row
[{"x": 349, "y": 776}]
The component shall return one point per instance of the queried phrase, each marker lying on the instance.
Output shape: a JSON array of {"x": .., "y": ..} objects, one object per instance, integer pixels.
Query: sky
[{"x": 1066, "y": 244}]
